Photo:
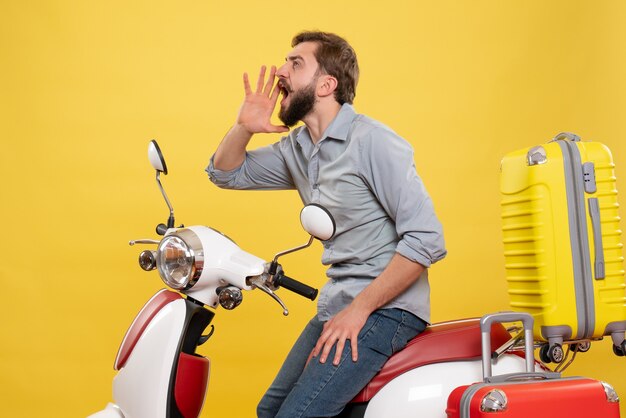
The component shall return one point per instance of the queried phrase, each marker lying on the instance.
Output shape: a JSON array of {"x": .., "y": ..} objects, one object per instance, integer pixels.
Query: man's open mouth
[{"x": 284, "y": 89}]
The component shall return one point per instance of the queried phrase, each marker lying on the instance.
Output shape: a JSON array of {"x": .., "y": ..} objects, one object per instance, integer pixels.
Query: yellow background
[{"x": 85, "y": 85}]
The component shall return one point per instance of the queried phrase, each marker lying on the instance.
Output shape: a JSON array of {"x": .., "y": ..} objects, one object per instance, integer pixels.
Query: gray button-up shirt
[{"x": 364, "y": 174}]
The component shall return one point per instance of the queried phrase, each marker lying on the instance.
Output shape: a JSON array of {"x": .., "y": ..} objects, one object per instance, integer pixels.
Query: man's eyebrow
[{"x": 294, "y": 58}]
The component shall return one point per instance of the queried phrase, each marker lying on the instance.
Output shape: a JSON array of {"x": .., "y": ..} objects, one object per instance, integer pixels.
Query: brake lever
[
  {"x": 143, "y": 241},
  {"x": 258, "y": 282}
]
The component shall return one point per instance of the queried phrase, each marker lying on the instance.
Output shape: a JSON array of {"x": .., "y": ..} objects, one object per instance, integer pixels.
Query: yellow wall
[{"x": 86, "y": 84}]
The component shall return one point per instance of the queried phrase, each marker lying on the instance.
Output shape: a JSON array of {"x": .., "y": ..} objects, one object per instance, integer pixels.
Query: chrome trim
[
  {"x": 167, "y": 201},
  {"x": 194, "y": 245},
  {"x": 197, "y": 252},
  {"x": 494, "y": 401},
  {"x": 230, "y": 297},
  {"x": 147, "y": 260},
  {"x": 143, "y": 241},
  {"x": 611, "y": 394},
  {"x": 301, "y": 247},
  {"x": 259, "y": 283},
  {"x": 536, "y": 156}
]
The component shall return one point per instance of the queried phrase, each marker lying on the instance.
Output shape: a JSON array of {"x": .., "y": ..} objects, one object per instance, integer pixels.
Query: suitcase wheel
[
  {"x": 581, "y": 347},
  {"x": 620, "y": 350},
  {"x": 551, "y": 354}
]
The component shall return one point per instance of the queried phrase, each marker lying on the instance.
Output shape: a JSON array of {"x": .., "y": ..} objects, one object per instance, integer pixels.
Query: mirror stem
[
  {"x": 170, "y": 220},
  {"x": 274, "y": 265}
]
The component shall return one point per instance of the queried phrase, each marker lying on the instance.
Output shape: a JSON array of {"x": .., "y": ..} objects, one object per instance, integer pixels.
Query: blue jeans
[{"x": 323, "y": 390}]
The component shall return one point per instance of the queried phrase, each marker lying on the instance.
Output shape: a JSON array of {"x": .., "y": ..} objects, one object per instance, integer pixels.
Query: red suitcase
[{"x": 531, "y": 394}]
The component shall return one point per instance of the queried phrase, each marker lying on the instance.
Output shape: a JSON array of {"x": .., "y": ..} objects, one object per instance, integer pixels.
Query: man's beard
[{"x": 302, "y": 103}]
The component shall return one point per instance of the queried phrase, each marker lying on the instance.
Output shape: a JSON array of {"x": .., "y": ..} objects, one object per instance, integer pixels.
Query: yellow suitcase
[{"x": 562, "y": 241}]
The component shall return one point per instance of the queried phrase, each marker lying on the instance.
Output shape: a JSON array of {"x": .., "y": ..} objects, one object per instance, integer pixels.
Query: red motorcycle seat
[{"x": 442, "y": 342}]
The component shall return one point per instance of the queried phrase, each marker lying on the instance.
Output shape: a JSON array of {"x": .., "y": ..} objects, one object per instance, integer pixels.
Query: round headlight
[{"x": 179, "y": 261}]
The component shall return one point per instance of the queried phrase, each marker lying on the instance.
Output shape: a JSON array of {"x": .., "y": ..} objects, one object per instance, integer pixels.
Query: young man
[{"x": 377, "y": 295}]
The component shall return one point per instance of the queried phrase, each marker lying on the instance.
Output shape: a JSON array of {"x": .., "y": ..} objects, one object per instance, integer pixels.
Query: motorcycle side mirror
[
  {"x": 318, "y": 221},
  {"x": 158, "y": 163},
  {"x": 156, "y": 157}
]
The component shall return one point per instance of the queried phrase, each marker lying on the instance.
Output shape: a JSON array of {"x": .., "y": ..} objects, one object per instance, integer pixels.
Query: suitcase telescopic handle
[{"x": 485, "y": 328}]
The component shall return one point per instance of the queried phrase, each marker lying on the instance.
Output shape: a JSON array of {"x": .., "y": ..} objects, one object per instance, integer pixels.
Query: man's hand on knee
[{"x": 346, "y": 325}]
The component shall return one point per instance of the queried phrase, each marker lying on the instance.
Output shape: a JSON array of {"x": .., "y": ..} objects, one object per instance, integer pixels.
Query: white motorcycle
[{"x": 160, "y": 375}]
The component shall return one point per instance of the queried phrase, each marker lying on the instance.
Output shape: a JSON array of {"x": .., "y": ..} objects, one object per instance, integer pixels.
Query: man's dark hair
[{"x": 335, "y": 57}]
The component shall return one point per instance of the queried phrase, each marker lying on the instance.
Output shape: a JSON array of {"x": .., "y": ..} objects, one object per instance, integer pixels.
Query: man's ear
[{"x": 327, "y": 85}]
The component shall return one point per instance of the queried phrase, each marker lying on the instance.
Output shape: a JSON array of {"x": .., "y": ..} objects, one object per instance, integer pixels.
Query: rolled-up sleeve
[
  {"x": 263, "y": 168},
  {"x": 388, "y": 168}
]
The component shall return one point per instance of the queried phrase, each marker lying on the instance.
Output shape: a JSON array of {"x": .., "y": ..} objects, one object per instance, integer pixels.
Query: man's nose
[{"x": 282, "y": 71}]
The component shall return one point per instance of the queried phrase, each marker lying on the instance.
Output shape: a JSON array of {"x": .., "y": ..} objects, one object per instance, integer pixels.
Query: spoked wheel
[
  {"x": 555, "y": 353},
  {"x": 581, "y": 347}
]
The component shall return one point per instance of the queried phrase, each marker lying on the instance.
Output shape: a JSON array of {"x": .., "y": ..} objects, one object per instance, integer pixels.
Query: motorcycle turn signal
[{"x": 147, "y": 260}]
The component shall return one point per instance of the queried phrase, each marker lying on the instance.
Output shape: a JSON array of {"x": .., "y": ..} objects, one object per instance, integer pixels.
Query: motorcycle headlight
[{"x": 180, "y": 259}]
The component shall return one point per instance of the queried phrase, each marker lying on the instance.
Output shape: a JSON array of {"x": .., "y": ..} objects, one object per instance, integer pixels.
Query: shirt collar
[{"x": 338, "y": 128}]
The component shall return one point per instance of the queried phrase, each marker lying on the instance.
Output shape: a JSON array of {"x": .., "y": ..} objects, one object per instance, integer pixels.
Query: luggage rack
[{"x": 565, "y": 358}]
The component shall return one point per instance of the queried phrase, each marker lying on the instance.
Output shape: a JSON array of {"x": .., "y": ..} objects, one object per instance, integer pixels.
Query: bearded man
[{"x": 377, "y": 297}]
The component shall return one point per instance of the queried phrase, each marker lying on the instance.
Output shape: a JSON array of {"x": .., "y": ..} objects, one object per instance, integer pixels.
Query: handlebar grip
[{"x": 280, "y": 280}]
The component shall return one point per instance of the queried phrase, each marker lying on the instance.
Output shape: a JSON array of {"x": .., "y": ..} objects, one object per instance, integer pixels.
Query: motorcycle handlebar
[{"x": 280, "y": 280}]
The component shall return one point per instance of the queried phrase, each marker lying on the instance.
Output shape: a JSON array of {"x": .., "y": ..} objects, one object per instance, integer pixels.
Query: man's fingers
[
  {"x": 318, "y": 347},
  {"x": 324, "y": 344},
  {"x": 275, "y": 94},
  {"x": 270, "y": 80},
  {"x": 278, "y": 129},
  {"x": 354, "y": 346},
  {"x": 338, "y": 351},
  {"x": 259, "y": 83},
  {"x": 327, "y": 346},
  {"x": 246, "y": 84}
]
